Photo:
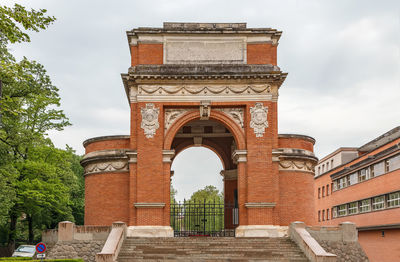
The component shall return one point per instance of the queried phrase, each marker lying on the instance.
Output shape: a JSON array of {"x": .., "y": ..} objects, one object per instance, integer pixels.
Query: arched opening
[{"x": 209, "y": 216}]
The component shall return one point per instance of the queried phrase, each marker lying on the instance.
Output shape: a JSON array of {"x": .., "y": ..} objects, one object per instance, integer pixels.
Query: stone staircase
[{"x": 210, "y": 249}]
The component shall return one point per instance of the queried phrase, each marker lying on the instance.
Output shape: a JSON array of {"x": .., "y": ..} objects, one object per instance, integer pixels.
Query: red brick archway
[{"x": 182, "y": 79}]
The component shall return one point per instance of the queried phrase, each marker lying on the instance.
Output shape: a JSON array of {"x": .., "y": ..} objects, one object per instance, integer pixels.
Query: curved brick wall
[
  {"x": 296, "y": 197},
  {"x": 106, "y": 180},
  {"x": 106, "y": 142},
  {"x": 296, "y": 141},
  {"x": 106, "y": 198}
]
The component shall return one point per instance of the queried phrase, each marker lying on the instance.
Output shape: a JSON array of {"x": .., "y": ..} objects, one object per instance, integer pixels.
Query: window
[
  {"x": 353, "y": 208},
  {"x": 323, "y": 215},
  {"x": 323, "y": 168},
  {"x": 331, "y": 188},
  {"x": 323, "y": 191},
  {"x": 363, "y": 174},
  {"x": 335, "y": 185},
  {"x": 319, "y": 170},
  {"x": 327, "y": 190},
  {"x": 379, "y": 168},
  {"x": 319, "y": 192},
  {"x": 332, "y": 163},
  {"x": 365, "y": 205},
  {"x": 393, "y": 199},
  {"x": 342, "y": 182},
  {"x": 394, "y": 163},
  {"x": 342, "y": 210},
  {"x": 327, "y": 214},
  {"x": 319, "y": 215},
  {"x": 353, "y": 179},
  {"x": 378, "y": 202},
  {"x": 334, "y": 212}
]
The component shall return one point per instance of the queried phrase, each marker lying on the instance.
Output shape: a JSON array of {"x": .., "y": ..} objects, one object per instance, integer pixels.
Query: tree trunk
[
  {"x": 30, "y": 229},
  {"x": 13, "y": 228}
]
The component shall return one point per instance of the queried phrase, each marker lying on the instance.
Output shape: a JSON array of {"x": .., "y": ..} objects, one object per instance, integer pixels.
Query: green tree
[{"x": 39, "y": 184}]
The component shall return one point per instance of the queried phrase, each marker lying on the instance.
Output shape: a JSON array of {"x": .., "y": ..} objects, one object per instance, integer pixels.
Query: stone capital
[
  {"x": 239, "y": 156},
  {"x": 168, "y": 155}
]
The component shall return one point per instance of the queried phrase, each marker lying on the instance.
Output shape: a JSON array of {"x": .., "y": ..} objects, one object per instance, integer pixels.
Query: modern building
[{"x": 362, "y": 185}]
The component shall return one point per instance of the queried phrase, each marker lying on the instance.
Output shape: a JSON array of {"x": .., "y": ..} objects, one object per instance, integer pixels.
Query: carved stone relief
[
  {"x": 150, "y": 120},
  {"x": 109, "y": 166},
  {"x": 259, "y": 120},
  {"x": 201, "y": 89},
  {"x": 237, "y": 114},
  {"x": 295, "y": 165},
  {"x": 171, "y": 115}
]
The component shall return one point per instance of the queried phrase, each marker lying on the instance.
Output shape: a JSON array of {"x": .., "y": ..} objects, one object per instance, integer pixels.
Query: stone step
[{"x": 210, "y": 249}]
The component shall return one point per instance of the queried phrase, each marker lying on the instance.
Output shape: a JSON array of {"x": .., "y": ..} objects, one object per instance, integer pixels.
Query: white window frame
[
  {"x": 353, "y": 210},
  {"x": 393, "y": 199},
  {"x": 365, "y": 206},
  {"x": 381, "y": 202}
]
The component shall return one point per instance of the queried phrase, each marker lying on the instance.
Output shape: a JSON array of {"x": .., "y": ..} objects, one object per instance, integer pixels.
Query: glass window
[
  {"x": 394, "y": 163},
  {"x": 353, "y": 208},
  {"x": 342, "y": 182},
  {"x": 319, "y": 215},
  {"x": 327, "y": 190},
  {"x": 323, "y": 191},
  {"x": 323, "y": 215},
  {"x": 363, "y": 174},
  {"x": 335, "y": 185},
  {"x": 334, "y": 212},
  {"x": 353, "y": 179},
  {"x": 327, "y": 214},
  {"x": 365, "y": 205},
  {"x": 394, "y": 199},
  {"x": 319, "y": 192},
  {"x": 378, "y": 202},
  {"x": 379, "y": 168},
  {"x": 342, "y": 210}
]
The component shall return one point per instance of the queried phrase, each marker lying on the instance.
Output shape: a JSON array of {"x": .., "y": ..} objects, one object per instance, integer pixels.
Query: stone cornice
[
  {"x": 260, "y": 205},
  {"x": 294, "y": 160},
  {"x": 149, "y": 205},
  {"x": 102, "y": 138}
]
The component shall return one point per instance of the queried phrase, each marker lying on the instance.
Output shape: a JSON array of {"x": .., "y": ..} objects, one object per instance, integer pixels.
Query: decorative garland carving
[
  {"x": 196, "y": 89},
  {"x": 295, "y": 165},
  {"x": 259, "y": 119},
  {"x": 171, "y": 115},
  {"x": 104, "y": 167},
  {"x": 150, "y": 120},
  {"x": 237, "y": 114}
]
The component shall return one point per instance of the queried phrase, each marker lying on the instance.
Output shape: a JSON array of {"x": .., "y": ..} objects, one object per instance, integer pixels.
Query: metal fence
[{"x": 203, "y": 218}]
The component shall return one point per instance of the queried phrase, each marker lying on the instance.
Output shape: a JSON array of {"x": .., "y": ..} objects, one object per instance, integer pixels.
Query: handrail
[
  {"x": 311, "y": 248},
  {"x": 113, "y": 244}
]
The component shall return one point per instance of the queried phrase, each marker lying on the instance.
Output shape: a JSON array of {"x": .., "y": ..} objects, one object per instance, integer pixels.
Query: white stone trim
[
  {"x": 168, "y": 155},
  {"x": 132, "y": 156},
  {"x": 239, "y": 156},
  {"x": 149, "y": 205},
  {"x": 150, "y": 231},
  {"x": 193, "y": 98},
  {"x": 261, "y": 231},
  {"x": 229, "y": 174},
  {"x": 260, "y": 205}
]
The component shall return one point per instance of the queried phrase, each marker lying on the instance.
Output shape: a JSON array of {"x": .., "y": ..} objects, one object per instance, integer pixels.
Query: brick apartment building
[{"x": 362, "y": 185}]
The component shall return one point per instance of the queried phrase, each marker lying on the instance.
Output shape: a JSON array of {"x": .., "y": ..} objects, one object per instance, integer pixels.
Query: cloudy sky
[{"x": 342, "y": 56}]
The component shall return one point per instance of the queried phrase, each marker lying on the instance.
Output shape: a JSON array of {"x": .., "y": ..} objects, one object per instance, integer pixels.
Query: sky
[{"x": 342, "y": 56}]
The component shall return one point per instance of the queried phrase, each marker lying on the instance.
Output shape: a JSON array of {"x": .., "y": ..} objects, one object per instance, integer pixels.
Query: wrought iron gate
[{"x": 204, "y": 218}]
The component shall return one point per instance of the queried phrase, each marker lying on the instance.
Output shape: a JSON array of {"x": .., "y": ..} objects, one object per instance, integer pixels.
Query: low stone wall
[
  {"x": 86, "y": 250},
  {"x": 71, "y": 241},
  {"x": 341, "y": 240}
]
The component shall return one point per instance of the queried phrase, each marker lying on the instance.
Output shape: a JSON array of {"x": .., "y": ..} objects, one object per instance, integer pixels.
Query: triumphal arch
[{"x": 201, "y": 84}]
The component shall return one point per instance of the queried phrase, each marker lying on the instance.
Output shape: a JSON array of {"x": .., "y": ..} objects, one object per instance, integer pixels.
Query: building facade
[
  {"x": 211, "y": 85},
  {"x": 362, "y": 185}
]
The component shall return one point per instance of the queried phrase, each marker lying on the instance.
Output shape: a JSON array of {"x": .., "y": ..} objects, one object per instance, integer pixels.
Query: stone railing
[
  {"x": 68, "y": 231},
  {"x": 111, "y": 248},
  {"x": 311, "y": 248},
  {"x": 345, "y": 232}
]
